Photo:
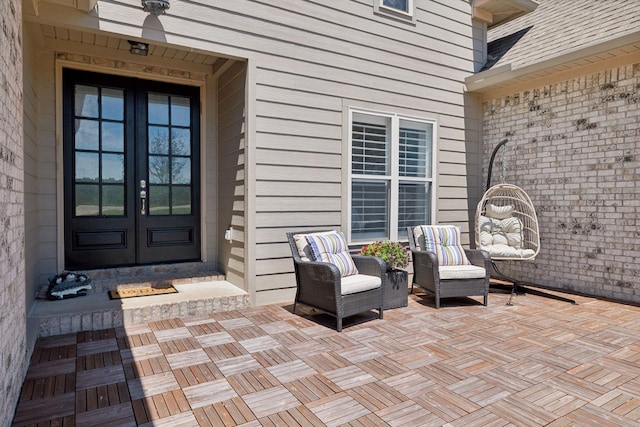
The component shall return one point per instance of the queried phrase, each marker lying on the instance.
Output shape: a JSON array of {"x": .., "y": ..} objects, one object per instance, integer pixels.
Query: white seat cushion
[
  {"x": 507, "y": 231},
  {"x": 461, "y": 272},
  {"x": 506, "y": 251},
  {"x": 359, "y": 283}
]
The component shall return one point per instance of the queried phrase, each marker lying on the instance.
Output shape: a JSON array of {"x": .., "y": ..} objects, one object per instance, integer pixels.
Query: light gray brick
[{"x": 576, "y": 161}]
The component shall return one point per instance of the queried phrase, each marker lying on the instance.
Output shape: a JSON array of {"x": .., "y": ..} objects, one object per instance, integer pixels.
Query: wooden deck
[{"x": 538, "y": 362}]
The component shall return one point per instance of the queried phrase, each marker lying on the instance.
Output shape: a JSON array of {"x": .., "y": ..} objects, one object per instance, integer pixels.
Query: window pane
[
  {"x": 181, "y": 170},
  {"x": 159, "y": 172},
  {"x": 87, "y": 136},
  {"x": 113, "y": 200},
  {"x": 180, "y": 111},
  {"x": 159, "y": 200},
  {"x": 402, "y": 5},
  {"x": 415, "y": 149},
  {"x": 369, "y": 210},
  {"x": 112, "y": 104},
  {"x": 180, "y": 141},
  {"x": 414, "y": 208},
  {"x": 370, "y": 149},
  {"x": 87, "y": 200},
  {"x": 86, "y": 101},
  {"x": 113, "y": 137},
  {"x": 112, "y": 168},
  {"x": 158, "y": 107},
  {"x": 87, "y": 167},
  {"x": 158, "y": 140},
  {"x": 181, "y": 200}
]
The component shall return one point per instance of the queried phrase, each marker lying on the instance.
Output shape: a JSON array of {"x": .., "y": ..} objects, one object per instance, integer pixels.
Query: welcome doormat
[{"x": 142, "y": 292}]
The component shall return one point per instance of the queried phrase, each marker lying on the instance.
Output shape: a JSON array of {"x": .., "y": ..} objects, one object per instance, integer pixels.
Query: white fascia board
[
  {"x": 495, "y": 12},
  {"x": 487, "y": 79}
]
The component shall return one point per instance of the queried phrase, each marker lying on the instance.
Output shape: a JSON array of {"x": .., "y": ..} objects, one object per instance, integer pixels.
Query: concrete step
[
  {"x": 201, "y": 290},
  {"x": 151, "y": 275}
]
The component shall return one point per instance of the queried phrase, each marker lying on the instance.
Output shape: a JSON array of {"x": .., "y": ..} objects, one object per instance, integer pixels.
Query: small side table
[{"x": 395, "y": 289}]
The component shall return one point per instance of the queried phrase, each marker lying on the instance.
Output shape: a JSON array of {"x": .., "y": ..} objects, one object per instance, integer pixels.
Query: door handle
[{"x": 143, "y": 197}]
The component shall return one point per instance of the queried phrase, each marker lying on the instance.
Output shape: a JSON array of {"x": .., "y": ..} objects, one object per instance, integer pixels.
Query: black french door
[{"x": 131, "y": 171}]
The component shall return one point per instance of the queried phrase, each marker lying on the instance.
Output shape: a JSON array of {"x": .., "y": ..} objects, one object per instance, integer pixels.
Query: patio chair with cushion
[
  {"x": 442, "y": 267},
  {"x": 332, "y": 281}
]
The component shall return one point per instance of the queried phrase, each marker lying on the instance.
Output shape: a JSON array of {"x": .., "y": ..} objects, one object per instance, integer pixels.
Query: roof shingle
[{"x": 558, "y": 27}]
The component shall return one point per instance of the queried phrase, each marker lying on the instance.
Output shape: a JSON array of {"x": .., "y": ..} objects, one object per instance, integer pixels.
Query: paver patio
[{"x": 538, "y": 362}]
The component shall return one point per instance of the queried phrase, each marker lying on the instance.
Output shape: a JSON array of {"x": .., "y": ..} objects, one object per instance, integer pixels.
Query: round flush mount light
[{"x": 155, "y": 6}]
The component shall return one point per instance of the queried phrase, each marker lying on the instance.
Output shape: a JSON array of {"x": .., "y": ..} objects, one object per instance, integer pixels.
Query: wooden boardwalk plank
[
  {"x": 337, "y": 409},
  {"x": 262, "y": 402}
]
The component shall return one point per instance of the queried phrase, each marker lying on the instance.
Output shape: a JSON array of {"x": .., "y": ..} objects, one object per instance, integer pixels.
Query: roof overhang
[
  {"x": 602, "y": 52},
  {"x": 84, "y": 5},
  {"x": 495, "y": 12}
]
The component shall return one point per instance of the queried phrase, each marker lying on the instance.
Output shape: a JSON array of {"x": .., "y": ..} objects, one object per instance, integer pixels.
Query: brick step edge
[{"x": 114, "y": 318}]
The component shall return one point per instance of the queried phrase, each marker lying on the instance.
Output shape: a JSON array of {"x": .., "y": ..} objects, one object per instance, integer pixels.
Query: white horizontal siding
[
  {"x": 294, "y": 189},
  {"x": 416, "y": 97},
  {"x": 294, "y": 220},
  {"x": 274, "y": 295},
  {"x": 231, "y": 174},
  {"x": 300, "y": 174},
  {"x": 310, "y": 61},
  {"x": 299, "y": 121},
  {"x": 299, "y": 143},
  {"x": 296, "y": 158}
]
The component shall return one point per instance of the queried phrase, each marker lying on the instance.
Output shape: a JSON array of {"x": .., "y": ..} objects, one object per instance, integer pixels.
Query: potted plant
[
  {"x": 397, "y": 257},
  {"x": 393, "y": 253}
]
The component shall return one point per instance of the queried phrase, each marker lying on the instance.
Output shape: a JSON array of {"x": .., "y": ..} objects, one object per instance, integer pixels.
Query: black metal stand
[{"x": 518, "y": 287}]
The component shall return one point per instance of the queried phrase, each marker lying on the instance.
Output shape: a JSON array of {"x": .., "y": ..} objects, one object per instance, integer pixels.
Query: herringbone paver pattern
[{"x": 539, "y": 362}]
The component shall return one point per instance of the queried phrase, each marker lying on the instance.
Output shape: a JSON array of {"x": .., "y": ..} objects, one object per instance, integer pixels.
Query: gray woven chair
[
  {"x": 451, "y": 280},
  {"x": 320, "y": 286}
]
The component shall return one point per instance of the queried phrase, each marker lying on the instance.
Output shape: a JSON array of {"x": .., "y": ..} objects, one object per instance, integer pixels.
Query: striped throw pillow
[
  {"x": 332, "y": 248},
  {"x": 445, "y": 242}
]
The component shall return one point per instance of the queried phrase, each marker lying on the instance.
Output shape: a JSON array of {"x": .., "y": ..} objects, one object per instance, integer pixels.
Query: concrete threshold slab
[
  {"x": 100, "y": 301},
  {"x": 96, "y": 311}
]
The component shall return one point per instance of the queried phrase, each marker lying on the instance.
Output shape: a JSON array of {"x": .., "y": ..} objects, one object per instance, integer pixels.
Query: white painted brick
[{"x": 14, "y": 351}]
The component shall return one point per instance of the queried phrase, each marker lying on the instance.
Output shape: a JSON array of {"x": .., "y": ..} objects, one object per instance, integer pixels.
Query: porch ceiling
[{"x": 115, "y": 46}]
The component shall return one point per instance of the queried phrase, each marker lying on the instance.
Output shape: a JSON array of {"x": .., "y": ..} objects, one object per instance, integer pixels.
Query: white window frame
[
  {"x": 408, "y": 15},
  {"x": 394, "y": 178}
]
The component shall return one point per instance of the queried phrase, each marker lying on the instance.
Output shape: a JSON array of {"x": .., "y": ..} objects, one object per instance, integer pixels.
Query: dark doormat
[{"x": 142, "y": 292}]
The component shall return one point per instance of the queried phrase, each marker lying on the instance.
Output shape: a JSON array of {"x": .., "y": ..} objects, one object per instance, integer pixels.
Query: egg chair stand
[
  {"x": 507, "y": 228},
  {"x": 518, "y": 287}
]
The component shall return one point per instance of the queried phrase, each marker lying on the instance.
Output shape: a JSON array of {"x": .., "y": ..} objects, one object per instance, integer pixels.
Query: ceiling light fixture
[
  {"x": 158, "y": 7},
  {"x": 138, "y": 48}
]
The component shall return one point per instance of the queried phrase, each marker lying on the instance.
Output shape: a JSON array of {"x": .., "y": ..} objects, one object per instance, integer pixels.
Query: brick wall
[
  {"x": 13, "y": 352},
  {"x": 574, "y": 148}
]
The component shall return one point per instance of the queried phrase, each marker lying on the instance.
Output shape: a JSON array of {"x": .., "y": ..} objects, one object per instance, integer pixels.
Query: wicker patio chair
[
  {"x": 443, "y": 270},
  {"x": 321, "y": 286}
]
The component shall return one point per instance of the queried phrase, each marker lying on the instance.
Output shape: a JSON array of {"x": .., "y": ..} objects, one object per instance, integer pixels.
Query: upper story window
[
  {"x": 401, "y": 5},
  {"x": 391, "y": 159},
  {"x": 402, "y": 9}
]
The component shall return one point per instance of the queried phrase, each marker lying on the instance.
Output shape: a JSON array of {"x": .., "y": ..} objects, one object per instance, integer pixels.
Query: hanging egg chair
[{"x": 506, "y": 226}]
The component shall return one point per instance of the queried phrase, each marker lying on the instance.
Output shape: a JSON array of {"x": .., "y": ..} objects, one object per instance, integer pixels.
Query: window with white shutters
[{"x": 391, "y": 175}]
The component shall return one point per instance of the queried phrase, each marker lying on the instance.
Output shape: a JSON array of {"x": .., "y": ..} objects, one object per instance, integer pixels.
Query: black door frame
[{"x": 133, "y": 238}]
